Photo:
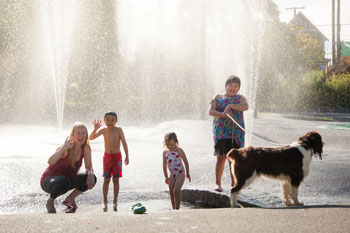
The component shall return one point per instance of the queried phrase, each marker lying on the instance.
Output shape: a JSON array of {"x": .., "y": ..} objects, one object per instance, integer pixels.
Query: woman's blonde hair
[{"x": 86, "y": 142}]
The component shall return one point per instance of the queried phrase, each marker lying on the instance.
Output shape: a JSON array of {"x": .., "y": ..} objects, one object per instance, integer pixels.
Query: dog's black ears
[
  {"x": 317, "y": 143},
  {"x": 311, "y": 136},
  {"x": 314, "y": 140}
]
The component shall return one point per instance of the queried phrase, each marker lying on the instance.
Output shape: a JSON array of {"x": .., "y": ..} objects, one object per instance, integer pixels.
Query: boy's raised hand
[{"x": 97, "y": 124}]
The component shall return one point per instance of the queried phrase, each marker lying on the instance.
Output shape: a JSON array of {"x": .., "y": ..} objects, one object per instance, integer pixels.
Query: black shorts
[
  {"x": 224, "y": 145},
  {"x": 58, "y": 185}
]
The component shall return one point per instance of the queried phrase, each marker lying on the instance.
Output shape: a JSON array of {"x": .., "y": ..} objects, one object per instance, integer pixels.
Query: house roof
[{"x": 301, "y": 20}]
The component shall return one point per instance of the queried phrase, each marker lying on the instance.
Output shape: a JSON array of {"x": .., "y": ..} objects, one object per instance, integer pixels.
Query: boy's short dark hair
[
  {"x": 111, "y": 114},
  {"x": 233, "y": 79}
]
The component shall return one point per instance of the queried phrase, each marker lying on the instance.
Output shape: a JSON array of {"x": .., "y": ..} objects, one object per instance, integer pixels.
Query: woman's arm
[
  {"x": 187, "y": 167},
  {"x": 241, "y": 107},
  {"x": 90, "y": 181},
  {"x": 62, "y": 151},
  {"x": 212, "y": 109}
]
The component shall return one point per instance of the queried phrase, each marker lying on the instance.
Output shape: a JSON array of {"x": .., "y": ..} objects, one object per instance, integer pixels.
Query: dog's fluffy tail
[{"x": 232, "y": 154}]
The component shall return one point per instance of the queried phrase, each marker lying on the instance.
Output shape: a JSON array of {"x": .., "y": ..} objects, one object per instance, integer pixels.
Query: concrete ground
[{"x": 309, "y": 219}]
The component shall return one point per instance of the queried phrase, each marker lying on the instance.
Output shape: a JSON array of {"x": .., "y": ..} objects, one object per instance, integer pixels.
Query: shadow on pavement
[{"x": 311, "y": 207}]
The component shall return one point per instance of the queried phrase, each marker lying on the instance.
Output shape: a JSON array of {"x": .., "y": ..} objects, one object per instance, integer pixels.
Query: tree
[{"x": 287, "y": 51}]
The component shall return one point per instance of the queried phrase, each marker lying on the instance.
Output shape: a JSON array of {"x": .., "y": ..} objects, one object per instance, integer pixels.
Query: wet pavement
[{"x": 328, "y": 182}]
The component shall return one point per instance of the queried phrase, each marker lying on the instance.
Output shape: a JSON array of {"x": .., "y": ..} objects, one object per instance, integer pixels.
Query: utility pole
[
  {"x": 333, "y": 34},
  {"x": 338, "y": 32},
  {"x": 336, "y": 45},
  {"x": 295, "y": 9}
]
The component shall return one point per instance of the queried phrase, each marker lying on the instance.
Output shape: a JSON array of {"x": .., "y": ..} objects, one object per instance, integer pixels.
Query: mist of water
[
  {"x": 157, "y": 64},
  {"x": 147, "y": 60},
  {"x": 58, "y": 23}
]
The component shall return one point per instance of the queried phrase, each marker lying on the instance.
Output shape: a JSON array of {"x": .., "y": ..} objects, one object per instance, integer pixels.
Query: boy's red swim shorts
[{"x": 112, "y": 165}]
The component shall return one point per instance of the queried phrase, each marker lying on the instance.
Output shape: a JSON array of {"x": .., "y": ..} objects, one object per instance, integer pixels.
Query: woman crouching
[{"x": 62, "y": 173}]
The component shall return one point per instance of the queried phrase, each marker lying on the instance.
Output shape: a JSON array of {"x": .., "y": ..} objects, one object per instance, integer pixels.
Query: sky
[{"x": 319, "y": 12}]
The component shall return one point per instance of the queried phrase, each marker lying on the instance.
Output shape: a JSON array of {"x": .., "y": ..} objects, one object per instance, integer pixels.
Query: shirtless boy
[{"x": 112, "y": 159}]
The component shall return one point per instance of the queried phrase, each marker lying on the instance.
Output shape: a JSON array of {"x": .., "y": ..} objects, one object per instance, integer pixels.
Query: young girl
[
  {"x": 226, "y": 134},
  {"x": 172, "y": 159}
]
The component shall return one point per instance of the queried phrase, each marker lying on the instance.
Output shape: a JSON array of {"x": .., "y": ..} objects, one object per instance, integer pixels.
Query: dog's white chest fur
[{"x": 307, "y": 157}]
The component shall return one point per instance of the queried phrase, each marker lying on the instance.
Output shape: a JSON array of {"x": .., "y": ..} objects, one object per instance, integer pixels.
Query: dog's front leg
[
  {"x": 287, "y": 193},
  {"x": 295, "y": 196},
  {"x": 233, "y": 200},
  {"x": 234, "y": 196}
]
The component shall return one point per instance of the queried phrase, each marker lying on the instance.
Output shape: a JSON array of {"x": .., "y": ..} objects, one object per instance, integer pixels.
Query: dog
[{"x": 289, "y": 164}]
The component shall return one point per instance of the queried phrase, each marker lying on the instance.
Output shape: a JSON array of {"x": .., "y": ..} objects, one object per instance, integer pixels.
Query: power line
[
  {"x": 295, "y": 9},
  {"x": 330, "y": 25}
]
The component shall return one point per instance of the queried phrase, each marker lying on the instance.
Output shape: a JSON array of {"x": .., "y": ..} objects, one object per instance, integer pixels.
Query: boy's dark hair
[
  {"x": 111, "y": 114},
  {"x": 232, "y": 79}
]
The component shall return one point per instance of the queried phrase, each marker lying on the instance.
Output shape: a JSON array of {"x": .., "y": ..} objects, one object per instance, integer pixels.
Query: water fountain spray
[{"x": 58, "y": 23}]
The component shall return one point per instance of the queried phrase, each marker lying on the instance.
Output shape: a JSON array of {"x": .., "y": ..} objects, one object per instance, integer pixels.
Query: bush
[
  {"x": 310, "y": 92},
  {"x": 339, "y": 87}
]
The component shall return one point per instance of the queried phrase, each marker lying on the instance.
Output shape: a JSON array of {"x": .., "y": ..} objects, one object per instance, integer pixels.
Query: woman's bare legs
[
  {"x": 50, "y": 205},
  {"x": 219, "y": 169},
  {"x": 71, "y": 197}
]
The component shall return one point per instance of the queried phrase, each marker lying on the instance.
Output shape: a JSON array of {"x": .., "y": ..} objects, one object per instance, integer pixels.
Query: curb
[{"x": 207, "y": 199}]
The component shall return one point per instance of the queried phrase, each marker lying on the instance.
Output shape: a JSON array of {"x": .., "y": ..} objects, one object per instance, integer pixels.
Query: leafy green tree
[{"x": 287, "y": 51}]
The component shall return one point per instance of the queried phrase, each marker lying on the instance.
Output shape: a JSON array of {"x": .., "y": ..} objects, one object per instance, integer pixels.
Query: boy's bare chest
[{"x": 112, "y": 135}]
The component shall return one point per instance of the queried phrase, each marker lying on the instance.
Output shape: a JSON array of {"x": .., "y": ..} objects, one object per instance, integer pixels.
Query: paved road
[
  {"x": 328, "y": 182},
  {"x": 331, "y": 219}
]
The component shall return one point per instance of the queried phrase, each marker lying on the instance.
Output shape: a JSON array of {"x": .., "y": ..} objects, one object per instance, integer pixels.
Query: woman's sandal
[
  {"x": 71, "y": 210},
  {"x": 115, "y": 205},
  {"x": 67, "y": 204},
  {"x": 218, "y": 189},
  {"x": 70, "y": 207}
]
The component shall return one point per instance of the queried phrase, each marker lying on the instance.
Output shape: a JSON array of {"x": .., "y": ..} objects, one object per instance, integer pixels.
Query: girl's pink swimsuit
[{"x": 174, "y": 162}]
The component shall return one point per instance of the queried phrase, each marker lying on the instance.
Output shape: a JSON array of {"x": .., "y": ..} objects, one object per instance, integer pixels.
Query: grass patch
[{"x": 310, "y": 118}]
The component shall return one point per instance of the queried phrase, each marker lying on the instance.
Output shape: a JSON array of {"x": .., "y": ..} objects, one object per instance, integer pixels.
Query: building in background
[
  {"x": 345, "y": 52},
  {"x": 305, "y": 25}
]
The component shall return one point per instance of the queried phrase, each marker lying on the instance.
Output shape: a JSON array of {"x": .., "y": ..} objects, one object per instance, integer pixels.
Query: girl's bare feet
[
  {"x": 50, "y": 206},
  {"x": 105, "y": 207},
  {"x": 115, "y": 205}
]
